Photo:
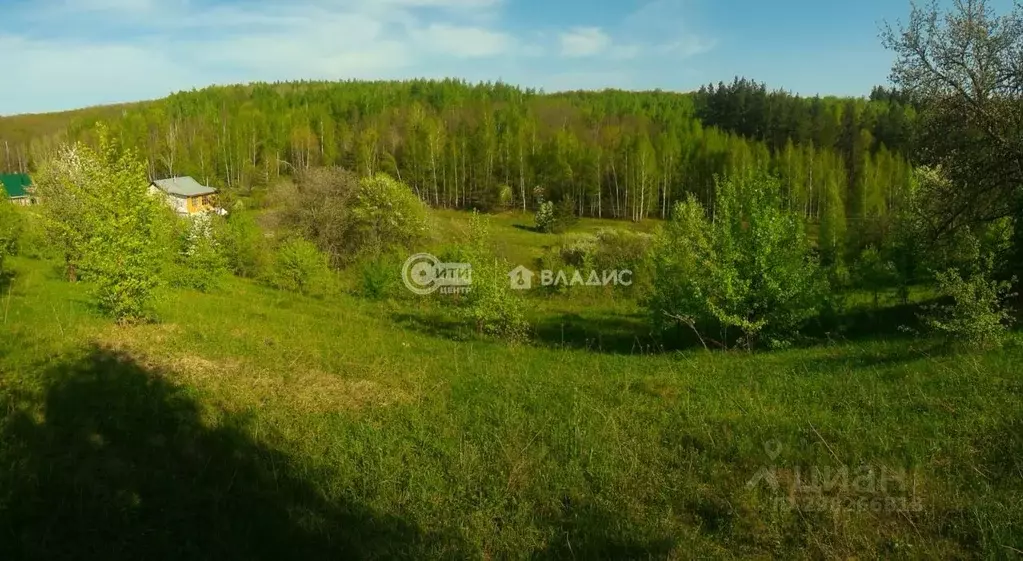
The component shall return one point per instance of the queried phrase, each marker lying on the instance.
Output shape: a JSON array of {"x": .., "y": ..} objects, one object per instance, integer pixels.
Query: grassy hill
[{"x": 252, "y": 423}]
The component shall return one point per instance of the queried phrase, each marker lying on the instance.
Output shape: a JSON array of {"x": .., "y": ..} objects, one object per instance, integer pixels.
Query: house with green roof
[{"x": 17, "y": 187}]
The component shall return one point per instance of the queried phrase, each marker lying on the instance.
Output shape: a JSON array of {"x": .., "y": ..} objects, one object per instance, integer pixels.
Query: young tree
[
  {"x": 748, "y": 269},
  {"x": 99, "y": 209},
  {"x": 962, "y": 66},
  {"x": 492, "y": 306},
  {"x": 200, "y": 261}
]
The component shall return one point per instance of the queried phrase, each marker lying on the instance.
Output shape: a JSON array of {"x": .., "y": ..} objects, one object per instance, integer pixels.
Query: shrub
[
  {"x": 243, "y": 245},
  {"x": 98, "y": 209},
  {"x": 607, "y": 250},
  {"x": 555, "y": 218},
  {"x": 622, "y": 250},
  {"x": 750, "y": 269},
  {"x": 33, "y": 240},
  {"x": 385, "y": 215},
  {"x": 874, "y": 273},
  {"x": 577, "y": 250},
  {"x": 10, "y": 229},
  {"x": 495, "y": 198},
  {"x": 300, "y": 267},
  {"x": 545, "y": 217},
  {"x": 380, "y": 277},
  {"x": 977, "y": 315},
  {"x": 200, "y": 264},
  {"x": 350, "y": 218},
  {"x": 492, "y": 306}
]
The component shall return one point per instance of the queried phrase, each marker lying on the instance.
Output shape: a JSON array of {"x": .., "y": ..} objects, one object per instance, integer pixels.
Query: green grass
[
  {"x": 250, "y": 423},
  {"x": 514, "y": 236}
]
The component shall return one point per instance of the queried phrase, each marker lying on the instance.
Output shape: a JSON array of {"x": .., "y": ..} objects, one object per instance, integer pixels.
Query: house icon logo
[{"x": 521, "y": 278}]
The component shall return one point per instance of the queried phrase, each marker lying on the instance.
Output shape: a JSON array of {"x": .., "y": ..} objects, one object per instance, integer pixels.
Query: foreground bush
[
  {"x": 748, "y": 275},
  {"x": 99, "y": 212}
]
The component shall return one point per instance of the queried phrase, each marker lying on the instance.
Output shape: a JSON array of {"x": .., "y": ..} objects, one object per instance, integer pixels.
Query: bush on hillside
[
  {"x": 609, "y": 249},
  {"x": 750, "y": 270},
  {"x": 200, "y": 264},
  {"x": 106, "y": 233},
  {"x": 10, "y": 230},
  {"x": 380, "y": 277},
  {"x": 575, "y": 250},
  {"x": 492, "y": 306},
  {"x": 243, "y": 245},
  {"x": 619, "y": 250},
  {"x": 385, "y": 215},
  {"x": 350, "y": 218},
  {"x": 977, "y": 315},
  {"x": 300, "y": 267}
]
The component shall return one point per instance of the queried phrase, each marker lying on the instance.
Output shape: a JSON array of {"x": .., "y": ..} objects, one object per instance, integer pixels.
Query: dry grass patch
[{"x": 237, "y": 384}]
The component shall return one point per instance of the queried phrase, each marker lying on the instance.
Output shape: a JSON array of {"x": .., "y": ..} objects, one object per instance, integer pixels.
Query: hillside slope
[{"x": 259, "y": 424}]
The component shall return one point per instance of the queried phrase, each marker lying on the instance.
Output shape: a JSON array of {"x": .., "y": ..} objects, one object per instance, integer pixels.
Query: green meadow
[{"x": 259, "y": 424}]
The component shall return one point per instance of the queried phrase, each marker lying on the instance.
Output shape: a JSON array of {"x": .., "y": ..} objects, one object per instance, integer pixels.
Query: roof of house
[
  {"x": 183, "y": 186},
  {"x": 16, "y": 184}
]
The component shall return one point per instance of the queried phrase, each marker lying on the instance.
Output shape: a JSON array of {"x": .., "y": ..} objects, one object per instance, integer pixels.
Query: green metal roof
[{"x": 16, "y": 184}]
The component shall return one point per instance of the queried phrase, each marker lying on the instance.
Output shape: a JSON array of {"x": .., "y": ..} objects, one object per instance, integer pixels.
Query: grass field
[{"x": 253, "y": 424}]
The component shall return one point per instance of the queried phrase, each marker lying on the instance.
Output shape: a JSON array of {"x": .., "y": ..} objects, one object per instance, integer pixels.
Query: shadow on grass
[
  {"x": 527, "y": 228},
  {"x": 612, "y": 334},
  {"x": 880, "y": 358},
  {"x": 6, "y": 280},
  {"x": 865, "y": 323},
  {"x": 585, "y": 531},
  {"x": 632, "y": 334},
  {"x": 120, "y": 466},
  {"x": 434, "y": 324}
]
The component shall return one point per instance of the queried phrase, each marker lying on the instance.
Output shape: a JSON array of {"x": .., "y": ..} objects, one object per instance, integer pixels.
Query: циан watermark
[
  {"x": 425, "y": 274},
  {"x": 522, "y": 278},
  {"x": 818, "y": 488}
]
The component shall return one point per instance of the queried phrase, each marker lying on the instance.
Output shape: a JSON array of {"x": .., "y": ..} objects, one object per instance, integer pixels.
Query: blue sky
[{"x": 60, "y": 54}]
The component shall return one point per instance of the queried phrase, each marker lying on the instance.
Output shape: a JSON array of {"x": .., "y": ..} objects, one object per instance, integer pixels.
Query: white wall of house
[{"x": 179, "y": 204}]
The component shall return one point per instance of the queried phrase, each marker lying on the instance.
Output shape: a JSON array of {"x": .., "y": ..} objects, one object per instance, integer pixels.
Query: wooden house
[{"x": 185, "y": 195}]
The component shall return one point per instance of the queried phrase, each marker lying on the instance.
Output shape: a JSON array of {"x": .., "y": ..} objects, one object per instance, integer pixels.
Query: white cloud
[
  {"x": 70, "y": 53},
  {"x": 49, "y": 70},
  {"x": 584, "y": 41},
  {"x": 464, "y": 42}
]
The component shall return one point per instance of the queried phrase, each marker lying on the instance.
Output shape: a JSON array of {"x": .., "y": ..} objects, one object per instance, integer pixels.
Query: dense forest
[{"x": 613, "y": 153}]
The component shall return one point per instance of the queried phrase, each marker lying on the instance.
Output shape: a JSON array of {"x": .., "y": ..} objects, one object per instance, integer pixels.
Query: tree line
[{"x": 613, "y": 154}]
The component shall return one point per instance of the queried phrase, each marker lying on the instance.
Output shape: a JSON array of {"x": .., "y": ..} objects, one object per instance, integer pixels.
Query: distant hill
[{"x": 614, "y": 153}]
